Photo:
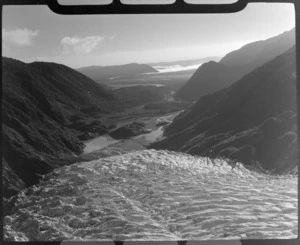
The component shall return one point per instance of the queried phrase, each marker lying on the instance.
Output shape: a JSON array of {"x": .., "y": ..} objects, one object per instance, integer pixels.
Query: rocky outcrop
[{"x": 128, "y": 131}]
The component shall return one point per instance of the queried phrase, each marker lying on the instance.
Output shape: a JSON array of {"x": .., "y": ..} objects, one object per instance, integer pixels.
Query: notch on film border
[
  {"x": 117, "y": 7},
  {"x": 178, "y": 7}
]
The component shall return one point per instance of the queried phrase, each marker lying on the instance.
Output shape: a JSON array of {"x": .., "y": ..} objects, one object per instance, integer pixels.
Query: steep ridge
[
  {"x": 100, "y": 73},
  {"x": 213, "y": 76},
  {"x": 252, "y": 121},
  {"x": 39, "y": 103},
  {"x": 155, "y": 195},
  {"x": 260, "y": 51}
]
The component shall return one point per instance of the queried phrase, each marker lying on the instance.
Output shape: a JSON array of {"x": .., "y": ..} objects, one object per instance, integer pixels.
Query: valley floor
[
  {"x": 155, "y": 195},
  {"x": 105, "y": 145}
]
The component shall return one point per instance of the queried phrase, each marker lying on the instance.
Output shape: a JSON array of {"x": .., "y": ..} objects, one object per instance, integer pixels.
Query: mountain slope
[
  {"x": 252, "y": 120},
  {"x": 99, "y": 73},
  {"x": 213, "y": 76},
  {"x": 260, "y": 51},
  {"x": 39, "y": 101}
]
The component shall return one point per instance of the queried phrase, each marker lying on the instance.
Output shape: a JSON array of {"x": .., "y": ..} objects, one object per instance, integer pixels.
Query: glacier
[{"x": 155, "y": 195}]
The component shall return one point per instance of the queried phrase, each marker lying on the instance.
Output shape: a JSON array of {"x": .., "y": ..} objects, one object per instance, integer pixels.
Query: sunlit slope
[
  {"x": 213, "y": 76},
  {"x": 253, "y": 120},
  {"x": 156, "y": 195}
]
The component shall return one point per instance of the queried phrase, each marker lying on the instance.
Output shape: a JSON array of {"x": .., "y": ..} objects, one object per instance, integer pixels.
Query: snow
[{"x": 156, "y": 195}]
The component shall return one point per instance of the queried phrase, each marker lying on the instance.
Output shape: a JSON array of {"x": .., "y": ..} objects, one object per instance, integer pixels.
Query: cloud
[
  {"x": 79, "y": 45},
  {"x": 19, "y": 37},
  {"x": 112, "y": 37}
]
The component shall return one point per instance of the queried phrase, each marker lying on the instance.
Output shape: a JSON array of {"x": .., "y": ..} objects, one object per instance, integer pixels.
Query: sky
[{"x": 35, "y": 33}]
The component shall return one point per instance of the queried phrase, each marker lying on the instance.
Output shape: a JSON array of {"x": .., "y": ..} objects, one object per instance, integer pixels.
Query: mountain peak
[
  {"x": 260, "y": 51},
  {"x": 213, "y": 76}
]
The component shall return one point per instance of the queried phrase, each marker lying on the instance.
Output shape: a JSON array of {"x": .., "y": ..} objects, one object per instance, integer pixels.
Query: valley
[
  {"x": 105, "y": 145},
  {"x": 202, "y": 149}
]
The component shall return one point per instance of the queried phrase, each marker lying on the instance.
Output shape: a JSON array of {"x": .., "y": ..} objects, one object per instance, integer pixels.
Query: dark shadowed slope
[
  {"x": 39, "y": 100},
  {"x": 254, "y": 120},
  {"x": 100, "y": 73},
  {"x": 213, "y": 76}
]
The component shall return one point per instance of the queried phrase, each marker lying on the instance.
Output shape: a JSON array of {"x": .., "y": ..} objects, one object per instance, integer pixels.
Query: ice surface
[{"x": 156, "y": 195}]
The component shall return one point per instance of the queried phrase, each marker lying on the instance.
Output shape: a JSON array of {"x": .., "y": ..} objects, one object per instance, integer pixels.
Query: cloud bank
[
  {"x": 19, "y": 37},
  {"x": 79, "y": 45},
  {"x": 175, "y": 68}
]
